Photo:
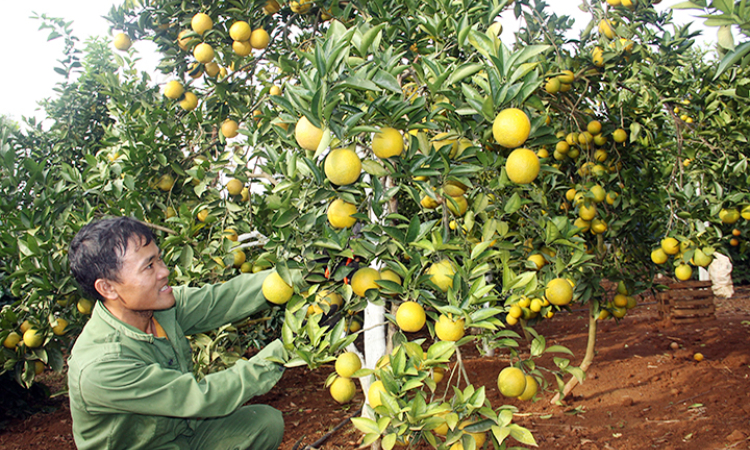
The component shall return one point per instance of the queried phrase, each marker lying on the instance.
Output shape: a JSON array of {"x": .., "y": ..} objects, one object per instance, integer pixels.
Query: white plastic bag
[{"x": 720, "y": 272}]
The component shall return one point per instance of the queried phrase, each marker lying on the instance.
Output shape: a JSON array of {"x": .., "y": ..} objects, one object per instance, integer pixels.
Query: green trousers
[{"x": 252, "y": 427}]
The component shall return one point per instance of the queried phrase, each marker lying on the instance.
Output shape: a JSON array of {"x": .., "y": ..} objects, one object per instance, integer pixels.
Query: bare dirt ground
[{"x": 640, "y": 393}]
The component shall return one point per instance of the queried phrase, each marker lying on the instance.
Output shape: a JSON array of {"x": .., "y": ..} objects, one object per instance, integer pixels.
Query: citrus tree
[{"x": 400, "y": 166}]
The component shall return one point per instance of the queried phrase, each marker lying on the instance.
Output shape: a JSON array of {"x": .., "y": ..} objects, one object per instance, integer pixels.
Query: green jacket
[{"x": 132, "y": 390}]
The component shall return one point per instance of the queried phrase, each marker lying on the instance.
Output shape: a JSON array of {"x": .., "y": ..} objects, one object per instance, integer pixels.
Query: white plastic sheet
[{"x": 720, "y": 272}]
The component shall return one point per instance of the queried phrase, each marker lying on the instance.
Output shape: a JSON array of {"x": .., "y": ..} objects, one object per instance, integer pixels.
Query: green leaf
[
  {"x": 558, "y": 349},
  {"x": 368, "y": 39},
  {"x": 732, "y": 58},
  {"x": 521, "y": 434},
  {"x": 387, "y": 81},
  {"x": 686, "y": 5},
  {"x": 464, "y": 71},
  {"x": 365, "y": 425}
]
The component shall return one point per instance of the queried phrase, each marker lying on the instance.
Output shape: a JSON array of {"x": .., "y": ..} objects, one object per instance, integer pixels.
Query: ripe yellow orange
[
  {"x": 619, "y": 135},
  {"x": 584, "y": 225},
  {"x": 620, "y": 301},
  {"x": 428, "y": 202},
  {"x": 683, "y": 272},
  {"x": 729, "y": 216},
  {"x": 599, "y": 193},
  {"x": 242, "y": 48},
  {"x": 25, "y": 325},
  {"x": 522, "y": 166},
  {"x": 698, "y": 357},
  {"x": 84, "y": 306},
  {"x": 12, "y": 340},
  {"x": 607, "y": 28},
  {"x": 559, "y": 292},
  {"x": 190, "y": 102},
  {"x": 410, "y": 317},
  {"x": 347, "y": 364},
  {"x": 441, "y": 274},
  {"x": 173, "y": 90},
  {"x": 329, "y": 298},
  {"x": 447, "y": 329},
  {"x": 201, "y": 23},
  {"x": 658, "y": 256},
  {"x": 479, "y": 438},
  {"x": 234, "y": 186},
  {"x": 457, "y": 205},
  {"x": 365, "y": 279},
  {"x": 274, "y": 90},
  {"x": 275, "y": 289},
  {"x": 229, "y": 128},
  {"x": 122, "y": 42},
  {"x": 342, "y": 166},
  {"x": 515, "y": 311},
  {"x": 454, "y": 188},
  {"x": 32, "y": 338},
  {"x": 701, "y": 259},
  {"x": 511, "y": 381},
  {"x": 183, "y": 40},
  {"x": 59, "y": 327},
  {"x": 342, "y": 389},
  {"x": 300, "y": 6},
  {"x": 587, "y": 211},
  {"x": 598, "y": 226},
  {"x": 597, "y": 56},
  {"x": 239, "y": 258},
  {"x": 203, "y": 53},
  {"x": 538, "y": 260},
  {"x": 746, "y": 212},
  {"x": 165, "y": 182},
  {"x": 388, "y": 274},
  {"x": 387, "y": 142},
  {"x": 212, "y": 69},
  {"x": 308, "y": 136},
  {"x": 202, "y": 215},
  {"x": 594, "y": 127},
  {"x": 441, "y": 140},
  {"x": 373, "y": 394},
  {"x": 260, "y": 39},
  {"x": 552, "y": 86},
  {"x": 670, "y": 245},
  {"x": 271, "y": 7},
  {"x": 240, "y": 31},
  {"x": 530, "y": 390},
  {"x": 340, "y": 212},
  {"x": 511, "y": 128}
]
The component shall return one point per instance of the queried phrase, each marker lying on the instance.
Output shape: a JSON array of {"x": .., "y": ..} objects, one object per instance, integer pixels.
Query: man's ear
[{"x": 105, "y": 289}]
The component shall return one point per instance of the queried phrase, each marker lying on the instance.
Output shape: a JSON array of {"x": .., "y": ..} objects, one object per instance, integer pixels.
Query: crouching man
[{"x": 130, "y": 371}]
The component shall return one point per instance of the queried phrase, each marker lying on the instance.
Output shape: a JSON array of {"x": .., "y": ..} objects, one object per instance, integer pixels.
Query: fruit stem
[{"x": 460, "y": 363}]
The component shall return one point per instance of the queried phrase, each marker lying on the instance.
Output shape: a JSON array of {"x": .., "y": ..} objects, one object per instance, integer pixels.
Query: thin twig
[{"x": 159, "y": 227}]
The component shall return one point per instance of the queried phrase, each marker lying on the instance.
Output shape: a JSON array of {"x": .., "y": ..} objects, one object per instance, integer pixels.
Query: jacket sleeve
[
  {"x": 211, "y": 306},
  {"x": 132, "y": 386}
]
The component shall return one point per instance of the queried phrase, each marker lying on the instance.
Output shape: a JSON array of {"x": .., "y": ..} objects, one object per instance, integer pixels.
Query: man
[{"x": 130, "y": 380}]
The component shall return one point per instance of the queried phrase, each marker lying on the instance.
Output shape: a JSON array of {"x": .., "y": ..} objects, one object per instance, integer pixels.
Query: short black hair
[{"x": 98, "y": 248}]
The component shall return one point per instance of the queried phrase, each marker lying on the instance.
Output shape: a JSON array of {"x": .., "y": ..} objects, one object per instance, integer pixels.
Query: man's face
[{"x": 143, "y": 284}]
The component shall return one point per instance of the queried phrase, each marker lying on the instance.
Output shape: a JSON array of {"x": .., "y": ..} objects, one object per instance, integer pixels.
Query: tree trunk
[{"x": 587, "y": 359}]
